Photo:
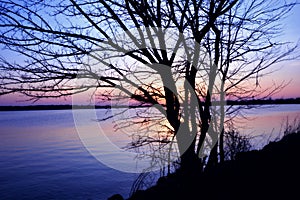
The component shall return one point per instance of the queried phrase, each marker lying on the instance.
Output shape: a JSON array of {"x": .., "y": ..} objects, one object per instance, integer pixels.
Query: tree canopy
[{"x": 179, "y": 56}]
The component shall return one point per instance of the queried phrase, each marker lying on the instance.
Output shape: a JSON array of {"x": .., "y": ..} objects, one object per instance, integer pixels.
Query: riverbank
[
  {"x": 269, "y": 173},
  {"x": 69, "y": 107}
]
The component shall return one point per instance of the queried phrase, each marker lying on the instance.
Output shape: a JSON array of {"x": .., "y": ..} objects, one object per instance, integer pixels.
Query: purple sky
[{"x": 289, "y": 71}]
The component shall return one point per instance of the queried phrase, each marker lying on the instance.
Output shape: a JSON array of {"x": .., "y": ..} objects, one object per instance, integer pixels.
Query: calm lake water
[
  {"x": 42, "y": 156},
  {"x": 267, "y": 123}
]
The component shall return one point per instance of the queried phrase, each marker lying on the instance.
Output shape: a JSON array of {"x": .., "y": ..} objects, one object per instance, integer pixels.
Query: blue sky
[{"x": 289, "y": 71}]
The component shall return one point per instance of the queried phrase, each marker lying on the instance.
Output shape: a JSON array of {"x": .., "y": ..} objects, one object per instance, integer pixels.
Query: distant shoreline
[
  {"x": 56, "y": 107},
  {"x": 69, "y": 107}
]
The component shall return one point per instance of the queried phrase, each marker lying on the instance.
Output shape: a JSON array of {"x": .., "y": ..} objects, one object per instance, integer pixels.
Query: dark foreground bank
[{"x": 270, "y": 173}]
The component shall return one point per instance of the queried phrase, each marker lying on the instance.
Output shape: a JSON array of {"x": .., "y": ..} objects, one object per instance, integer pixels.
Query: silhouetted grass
[{"x": 269, "y": 173}]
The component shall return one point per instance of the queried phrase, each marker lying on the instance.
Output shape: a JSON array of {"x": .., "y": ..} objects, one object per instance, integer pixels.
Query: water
[
  {"x": 42, "y": 156},
  {"x": 267, "y": 123}
]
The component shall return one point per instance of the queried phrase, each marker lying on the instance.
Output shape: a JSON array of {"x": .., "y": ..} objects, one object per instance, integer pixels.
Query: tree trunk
[
  {"x": 213, "y": 157},
  {"x": 190, "y": 163}
]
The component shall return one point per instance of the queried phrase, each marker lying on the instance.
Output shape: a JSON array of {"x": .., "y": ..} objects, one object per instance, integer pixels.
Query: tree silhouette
[{"x": 179, "y": 56}]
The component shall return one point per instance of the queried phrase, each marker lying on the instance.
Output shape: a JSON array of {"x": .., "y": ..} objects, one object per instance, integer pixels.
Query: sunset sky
[{"x": 288, "y": 71}]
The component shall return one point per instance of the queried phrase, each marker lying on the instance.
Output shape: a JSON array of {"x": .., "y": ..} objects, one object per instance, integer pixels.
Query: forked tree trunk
[{"x": 190, "y": 163}]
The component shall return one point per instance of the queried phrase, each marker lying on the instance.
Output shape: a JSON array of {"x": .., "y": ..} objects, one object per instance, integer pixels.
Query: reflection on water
[
  {"x": 266, "y": 122},
  {"x": 42, "y": 157}
]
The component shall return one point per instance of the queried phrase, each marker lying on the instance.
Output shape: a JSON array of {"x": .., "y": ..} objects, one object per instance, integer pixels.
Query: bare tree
[
  {"x": 243, "y": 44},
  {"x": 181, "y": 56}
]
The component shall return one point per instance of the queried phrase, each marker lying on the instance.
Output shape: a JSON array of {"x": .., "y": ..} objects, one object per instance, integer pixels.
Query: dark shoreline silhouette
[
  {"x": 270, "y": 173},
  {"x": 68, "y": 107}
]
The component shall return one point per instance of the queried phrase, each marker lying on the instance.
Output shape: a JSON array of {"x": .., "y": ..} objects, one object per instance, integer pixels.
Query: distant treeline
[
  {"x": 62, "y": 107},
  {"x": 68, "y": 107},
  {"x": 52, "y": 107},
  {"x": 265, "y": 101}
]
